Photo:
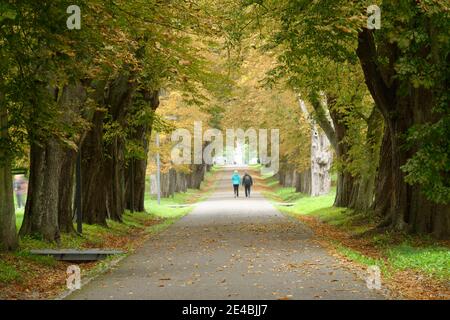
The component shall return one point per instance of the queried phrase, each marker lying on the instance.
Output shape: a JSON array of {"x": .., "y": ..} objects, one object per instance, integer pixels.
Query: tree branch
[
  {"x": 367, "y": 53},
  {"x": 323, "y": 120}
]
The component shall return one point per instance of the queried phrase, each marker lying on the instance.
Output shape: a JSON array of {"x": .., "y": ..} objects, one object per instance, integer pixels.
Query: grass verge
[
  {"x": 412, "y": 267},
  {"x": 26, "y": 276}
]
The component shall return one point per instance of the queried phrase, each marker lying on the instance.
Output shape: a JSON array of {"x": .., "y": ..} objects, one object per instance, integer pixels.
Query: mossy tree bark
[
  {"x": 8, "y": 232},
  {"x": 136, "y": 181},
  {"x": 364, "y": 193},
  {"x": 41, "y": 210},
  {"x": 408, "y": 210},
  {"x": 48, "y": 210},
  {"x": 103, "y": 158}
]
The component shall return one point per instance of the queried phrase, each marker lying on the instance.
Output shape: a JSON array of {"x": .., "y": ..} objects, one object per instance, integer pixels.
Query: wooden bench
[{"x": 76, "y": 255}]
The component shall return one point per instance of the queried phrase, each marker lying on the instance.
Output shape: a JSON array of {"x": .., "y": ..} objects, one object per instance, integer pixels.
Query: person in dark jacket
[{"x": 247, "y": 182}]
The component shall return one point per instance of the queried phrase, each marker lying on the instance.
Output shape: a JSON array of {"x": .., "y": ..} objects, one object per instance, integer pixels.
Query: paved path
[{"x": 230, "y": 248}]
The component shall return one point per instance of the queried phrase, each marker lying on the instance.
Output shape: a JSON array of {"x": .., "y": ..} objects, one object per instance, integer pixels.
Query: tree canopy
[{"x": 380, "y": 96}]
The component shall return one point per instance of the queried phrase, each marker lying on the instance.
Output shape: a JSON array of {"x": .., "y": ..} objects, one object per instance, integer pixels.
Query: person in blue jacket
[{"x": 236, "y": 180}]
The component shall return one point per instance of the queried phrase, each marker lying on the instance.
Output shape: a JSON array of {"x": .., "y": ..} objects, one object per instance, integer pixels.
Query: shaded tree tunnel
[{"x": 371, "y": 116}]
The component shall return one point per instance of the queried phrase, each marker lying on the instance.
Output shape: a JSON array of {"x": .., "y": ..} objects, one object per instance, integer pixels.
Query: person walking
[
  {"x": 247, "y": 182},
  {"x": 236, "y": 180},
  {"x": 20, "y": 189}
]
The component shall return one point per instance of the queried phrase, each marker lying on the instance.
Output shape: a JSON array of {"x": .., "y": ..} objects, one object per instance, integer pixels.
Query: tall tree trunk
[
  {"x": 345, "y": 189},
  {"x": 165, "y": 184},
  {"x": 93, "y": 182},
  {"x": 320, "y": 155},
  {"x": 365, "y": 185},
  {"x": 41, "y": 210},
  {"x": 282, "y": 172},
  {"x": 345, "y": 181},
  {"x": 8, "y": 233},
  {"x": 103, "y": 184},
  {"x": 196, "y": 176},
  {"x": 115, "y": 179},
  {"x": 49, "y": 199},
  {"x": 137, "y": 169},
  {"x": 139, "y": 166},
  {"x": 119, "y": 100},
  {"x": 180, "y": 182},
  {"x": 321, "y": 160},
  {"x": 409, "y": 209},
  {"x": 66, "y": 192},
  {"x": 71, "y": 101},
  {"x": 172, "y": 182},
  {"x": 288, "y": 176},
  {"x": 383, "y": 184},
  {"x": 303, "y": 183}
]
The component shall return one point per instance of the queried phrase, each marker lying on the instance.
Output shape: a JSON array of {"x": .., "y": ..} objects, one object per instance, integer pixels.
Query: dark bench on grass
[
  {"x": 282, "y": 204},
  {"x": 176, "y": 206},
  {"x": 76, "y": 255}
]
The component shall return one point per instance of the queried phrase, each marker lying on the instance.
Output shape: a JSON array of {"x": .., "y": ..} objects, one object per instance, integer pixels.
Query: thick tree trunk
[
  {"x": 165, "y": 184},
  {"x": 93, "y": 182},
  {"x": 320, "y": 155},
  {"x": 281, "y": 174},
  {"x": 48, "y": 197},
  {"x": 136, "y": 174},
  {"x": 180, "y": 182},
  {"x": 41, "y": 210},
  {"x": 303, "y": 183},
  {"x": 363, "y": 196},
  {"x": 49, "y": 207},
  {"x": 119, "y": 100},
  {"x": 344, "y": 189},
  {"x": 71, "y": 101},
  {"x": 8, "y": 233},
  {"x": 383, "y": 184},
  {"x": 136, "y": 182},
  {"x": 66, "y": 192},
  {"x": 172, "y": 182},
  {"x": 409, "y": 209},
  {"x": 345, "y": 181},
  {"x": 289, "y": 176},
  {"x": 321, "y": 159},
  {"x": 114, "y": 168},
  {"x": 135, "y": 195},
  {"x": 103, "y": 184},
  {"x": 196, "y": 176},
  {"x": 284, "y": 174}
]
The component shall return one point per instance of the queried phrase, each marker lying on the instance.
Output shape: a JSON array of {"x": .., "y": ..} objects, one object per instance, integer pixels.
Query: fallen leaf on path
[{"x": 288, "y": 297}]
